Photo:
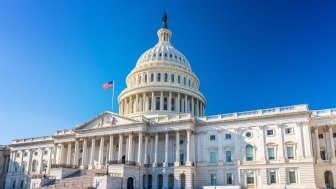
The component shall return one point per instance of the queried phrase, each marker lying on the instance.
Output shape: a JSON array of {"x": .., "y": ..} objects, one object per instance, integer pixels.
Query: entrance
[
  {"x": 328, "y": 179},
  {"x": 182, "y": 181},
  {"x": 130, "y": 183}
]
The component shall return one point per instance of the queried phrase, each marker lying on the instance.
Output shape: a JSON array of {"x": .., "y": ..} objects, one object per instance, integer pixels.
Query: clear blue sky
[{"x": 54, "y": 55}]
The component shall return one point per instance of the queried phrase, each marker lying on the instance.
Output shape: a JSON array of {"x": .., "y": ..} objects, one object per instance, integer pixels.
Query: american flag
[{"x": 108, "y": 85}]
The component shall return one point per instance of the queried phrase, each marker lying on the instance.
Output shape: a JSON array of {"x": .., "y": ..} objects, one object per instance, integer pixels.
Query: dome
[
  {"x": 164, "y": 52},
  {"x": 162, "y": 83}
]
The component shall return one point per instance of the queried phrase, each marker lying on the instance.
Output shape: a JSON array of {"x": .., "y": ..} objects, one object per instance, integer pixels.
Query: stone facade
[
  {"x": 161, "y": 138},
  {"x": 4, "y": 161}
]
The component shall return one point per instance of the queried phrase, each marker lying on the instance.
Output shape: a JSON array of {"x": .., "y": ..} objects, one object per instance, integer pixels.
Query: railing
[
  {"x": 69, "y": 166},
  {"x": 109, "y": 174},
  {"x": 44, "y": 176},
  {"x": 123, "y": 162}
]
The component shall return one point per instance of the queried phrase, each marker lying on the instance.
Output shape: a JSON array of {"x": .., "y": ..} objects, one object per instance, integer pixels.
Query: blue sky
[{"x": 54, "y": 55}]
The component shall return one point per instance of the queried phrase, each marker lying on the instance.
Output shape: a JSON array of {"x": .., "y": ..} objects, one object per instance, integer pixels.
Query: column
[
  {"x": 55, "y": 161},
  {"x": 126, "y": 106},
  {"x": 192, "y": 106},
  {"x": 165, "y": 164},
  {"x": 146, "y": 150},
  {"x": 93, "y": 146},
  {"x": 300, "y": 140},
  {"x": 130, "y": 145},
  {"x": 161, "y": 101},
  {"x": 220, "y": 147},
  {"x": 30, "y": 160},
  {"x": 332, "y": 145},
  {"x": 280, "y": 142},
  {"x": 153, "y": 102},
  {"x": 178, "y": 103},
  {"x": 83, "y": 165},
  {"x": 111, "y": 148},
  {"x": 140, "y": 149},
  {"x": 196, "y": 109},
  {"x": 170, "y": 102},
  {"x": 61, "y": 154},
  {"x": 136, "y": 108},
  {"x": 101, "y": 153},
  {"x": 317, "y": 145},
  {"x": 188, "y": 148},
  {"x": 144, "y": 100},
  {"x": 186, "y": 104},
  {"x": 69, "y": 154},
  {"x": 120, "y": 148},
  {"x": 156, "y": 150},
  {"x": 12, "y": 162},
  {"x": 41, "y": 160},
  {"x": 262, "y": 143},
  {"x": 49, "y": 159},
  {"x": 177, "y": 153},
  {"x": 6, "y": 164},
  {"x": 75, "y": 161}
]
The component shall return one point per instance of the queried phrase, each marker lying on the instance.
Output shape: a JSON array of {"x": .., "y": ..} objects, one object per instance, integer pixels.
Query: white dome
[{"x": 164, "y": 52}]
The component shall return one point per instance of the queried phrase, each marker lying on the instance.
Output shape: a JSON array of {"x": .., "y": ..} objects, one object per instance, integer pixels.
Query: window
[
  {"x": 172, "y": 78},
  {"x": 272, "y": 177},
  {"x": 228, "y": 156},
  {"x": 248, "y": 134},
  {"x": 320, "y": 136},
  {"x": 145, "y": 77},
  {"x": 270, "y": 152},
  {"x": 45, "y": 152},
  {"x": 35, "y": 153},
  {"x": 189, "y": 82},
  {"x": 184, "y": 81},
  {"x": 21, "y": 183},
  {"x": 18, "y": 155},
  {"x": 150, "y": 103},
  {"x": 25, "y": 154},
  {"x": 165, "y": 104},
  {"x": 157, "y": 103},
  {"x": 14, "y": 184},
  {"x": 290, "y": 152},
  {"x": 249, "y": 152},
  {"x": 212, "y": 137},
  {"x": 228, "y": 136},
  {"x": 289, "y": 130},
  {"x": 213, "y": 179},
  {"x": 34, "y": 165},
  {"x": 270, "y": 132},
  {"x": 139, "y": 79},
  {"x": 250, "y": 178},
  {"x": 229, "y": 178},
  {"x": 178, "y": 79},
  {"x": 173, "y": 104},
  {"x": 158, "y": 78},
  {"x": 292, "y": 177},
  {"x": 213, "y": 157},
  {"x": 334, "y": 135},
  {"x": 165, "y": 77},
  {"x": 152, "y": 77},
  {"x": 322, "y": 152}
]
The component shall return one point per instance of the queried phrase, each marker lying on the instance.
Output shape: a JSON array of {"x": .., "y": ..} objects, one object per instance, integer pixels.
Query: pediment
[{"x": 106, "y": 119}]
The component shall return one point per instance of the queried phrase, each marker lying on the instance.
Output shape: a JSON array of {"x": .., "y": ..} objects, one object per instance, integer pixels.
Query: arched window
[
  {"x": 150, "y": 103},
  {"x": 165, "y": 77},
  {"x": 173, "y": 104},
  {"x": 178, "y": 79},
  {"x": 152, "y": 77},
  {"x": 139, "y": 79},
  {"x": 249, "y": 152},
  {"x": 322, "y": 152},
  {"x": 145, "y": 77},
  {"x": 34, "y": 165},
  {"x": 184, "y": 81},
  {"x": 165, "y": 104},
  {"x": 158, "y": 79},
  {"x": 171, "y": 181},
  {"x": 189, "y": 82},
  {"x": 160, "y": 181},
  {"x": 157, "y": 103},
  {"x": 172, "y": 78}
]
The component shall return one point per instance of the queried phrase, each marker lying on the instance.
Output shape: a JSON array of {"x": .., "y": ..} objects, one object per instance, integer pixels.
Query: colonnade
[
  {"x": 329, "y": 152},
  {"x": 161, "y": 101},
  {"x": 85, "y": 160}
]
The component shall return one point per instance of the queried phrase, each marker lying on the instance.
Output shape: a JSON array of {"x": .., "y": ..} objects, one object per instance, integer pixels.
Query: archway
[
  {"x": 171, "y": 181},
  {"x": 182, "y": 181},
  {"x": 328, "y": 179},
  {"x": 150, "y": 180},
  {"x": 160, "y": 181},
  {"x": 130, "y": 183}
]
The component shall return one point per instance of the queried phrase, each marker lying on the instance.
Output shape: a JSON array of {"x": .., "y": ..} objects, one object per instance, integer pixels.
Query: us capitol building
[{"x": 162, "y": 138}]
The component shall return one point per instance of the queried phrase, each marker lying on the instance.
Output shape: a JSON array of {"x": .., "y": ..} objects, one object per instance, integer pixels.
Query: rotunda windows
[
  {"x": 248, "y": 134},
  {"x": 172, "y": 78},
  {"x": 158, "y": 79},
  {"x": 165, "y": 77}
]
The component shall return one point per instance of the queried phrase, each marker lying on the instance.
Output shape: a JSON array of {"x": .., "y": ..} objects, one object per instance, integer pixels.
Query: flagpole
[{"x": 112, "y": 95}]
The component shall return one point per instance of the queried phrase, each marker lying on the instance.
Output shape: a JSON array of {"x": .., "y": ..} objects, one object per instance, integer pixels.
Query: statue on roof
[{"x": 164, "y": 21}]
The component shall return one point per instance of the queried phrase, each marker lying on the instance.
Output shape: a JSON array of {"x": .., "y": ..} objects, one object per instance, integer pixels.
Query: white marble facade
[{"x": 162, "y": 138}]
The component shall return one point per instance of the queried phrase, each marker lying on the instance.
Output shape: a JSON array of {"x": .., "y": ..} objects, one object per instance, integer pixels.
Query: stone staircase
[{"x": 81, "y": 179}]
